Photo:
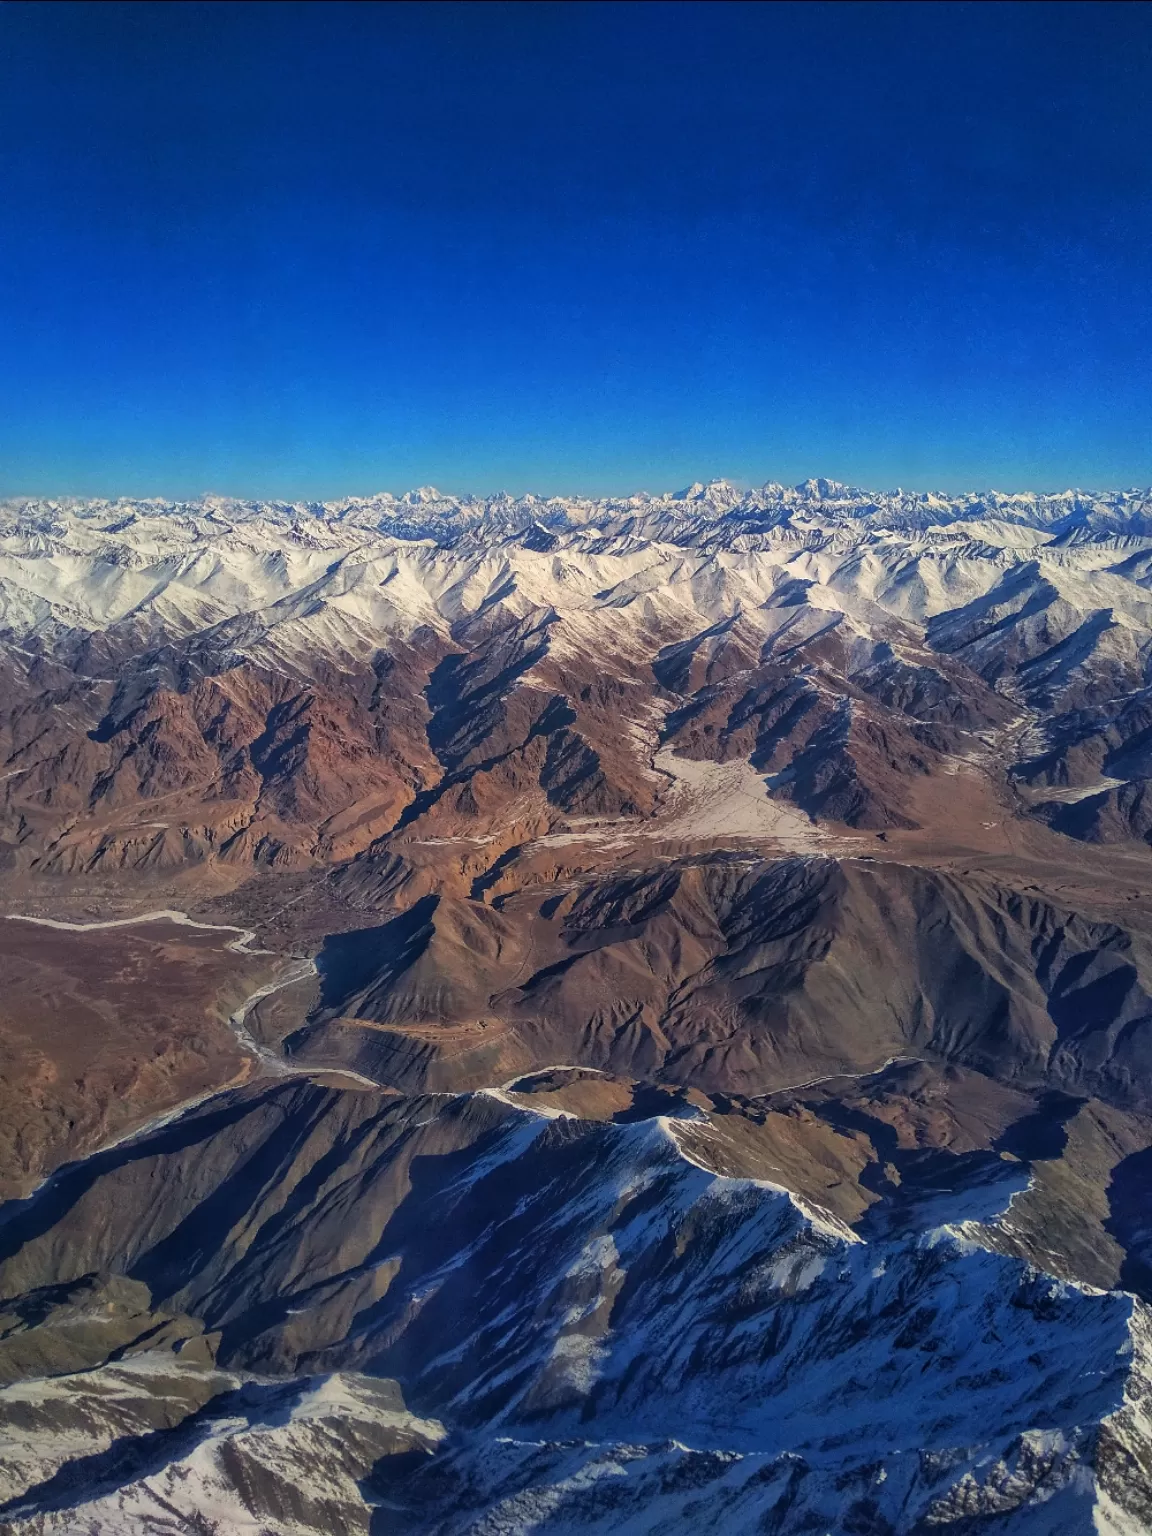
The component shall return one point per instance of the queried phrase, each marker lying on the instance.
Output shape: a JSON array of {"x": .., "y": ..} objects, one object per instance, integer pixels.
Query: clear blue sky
[{"x": 308, "y": 250}]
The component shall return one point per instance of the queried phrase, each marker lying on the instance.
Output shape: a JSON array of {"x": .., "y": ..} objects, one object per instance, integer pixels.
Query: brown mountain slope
[{"x": 744, "y": 975}]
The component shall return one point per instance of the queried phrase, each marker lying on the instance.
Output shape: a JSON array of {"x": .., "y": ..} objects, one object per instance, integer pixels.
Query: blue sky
[{"x": 313, "y": 250}]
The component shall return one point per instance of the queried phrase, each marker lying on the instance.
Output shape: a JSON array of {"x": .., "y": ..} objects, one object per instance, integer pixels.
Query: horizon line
[{"x": 683, "y": 493}]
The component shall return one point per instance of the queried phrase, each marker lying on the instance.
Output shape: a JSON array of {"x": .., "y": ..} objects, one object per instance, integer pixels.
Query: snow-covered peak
[
  {"x": 716, "y": 513},
  {"x": 827, "y": 490},
  {"x": 342, "y": 576}
]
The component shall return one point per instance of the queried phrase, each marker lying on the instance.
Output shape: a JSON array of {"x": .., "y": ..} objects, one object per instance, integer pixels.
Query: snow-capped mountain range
[
  {"x": 594, "y": 1330},
  {"x": 679, "y": 1041},
  {"x": 797, "y": 629},
  {"x": 429, "y": 513}
]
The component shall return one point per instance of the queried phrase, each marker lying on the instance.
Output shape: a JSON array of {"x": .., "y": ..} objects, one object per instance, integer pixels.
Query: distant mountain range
[{"x": 720, "y": 506}]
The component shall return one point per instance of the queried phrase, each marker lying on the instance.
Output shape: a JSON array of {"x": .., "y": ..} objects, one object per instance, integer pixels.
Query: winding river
[{"x": 269, "y": 1062}]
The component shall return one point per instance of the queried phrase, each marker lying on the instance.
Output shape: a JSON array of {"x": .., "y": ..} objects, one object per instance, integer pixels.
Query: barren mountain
[
  {"x": 292, "y": 686},
  {"x": 664, "y": 1037}
]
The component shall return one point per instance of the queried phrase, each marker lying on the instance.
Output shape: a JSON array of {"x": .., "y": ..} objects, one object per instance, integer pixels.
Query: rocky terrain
[{"x": 566, "y": 1015}]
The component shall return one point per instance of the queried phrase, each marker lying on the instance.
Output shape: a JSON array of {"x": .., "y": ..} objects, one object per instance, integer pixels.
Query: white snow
[{"x": 343, "y": 578}]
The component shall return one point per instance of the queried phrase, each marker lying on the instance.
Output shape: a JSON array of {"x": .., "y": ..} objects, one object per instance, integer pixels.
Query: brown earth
[{"x": 103, "y": 1031}]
